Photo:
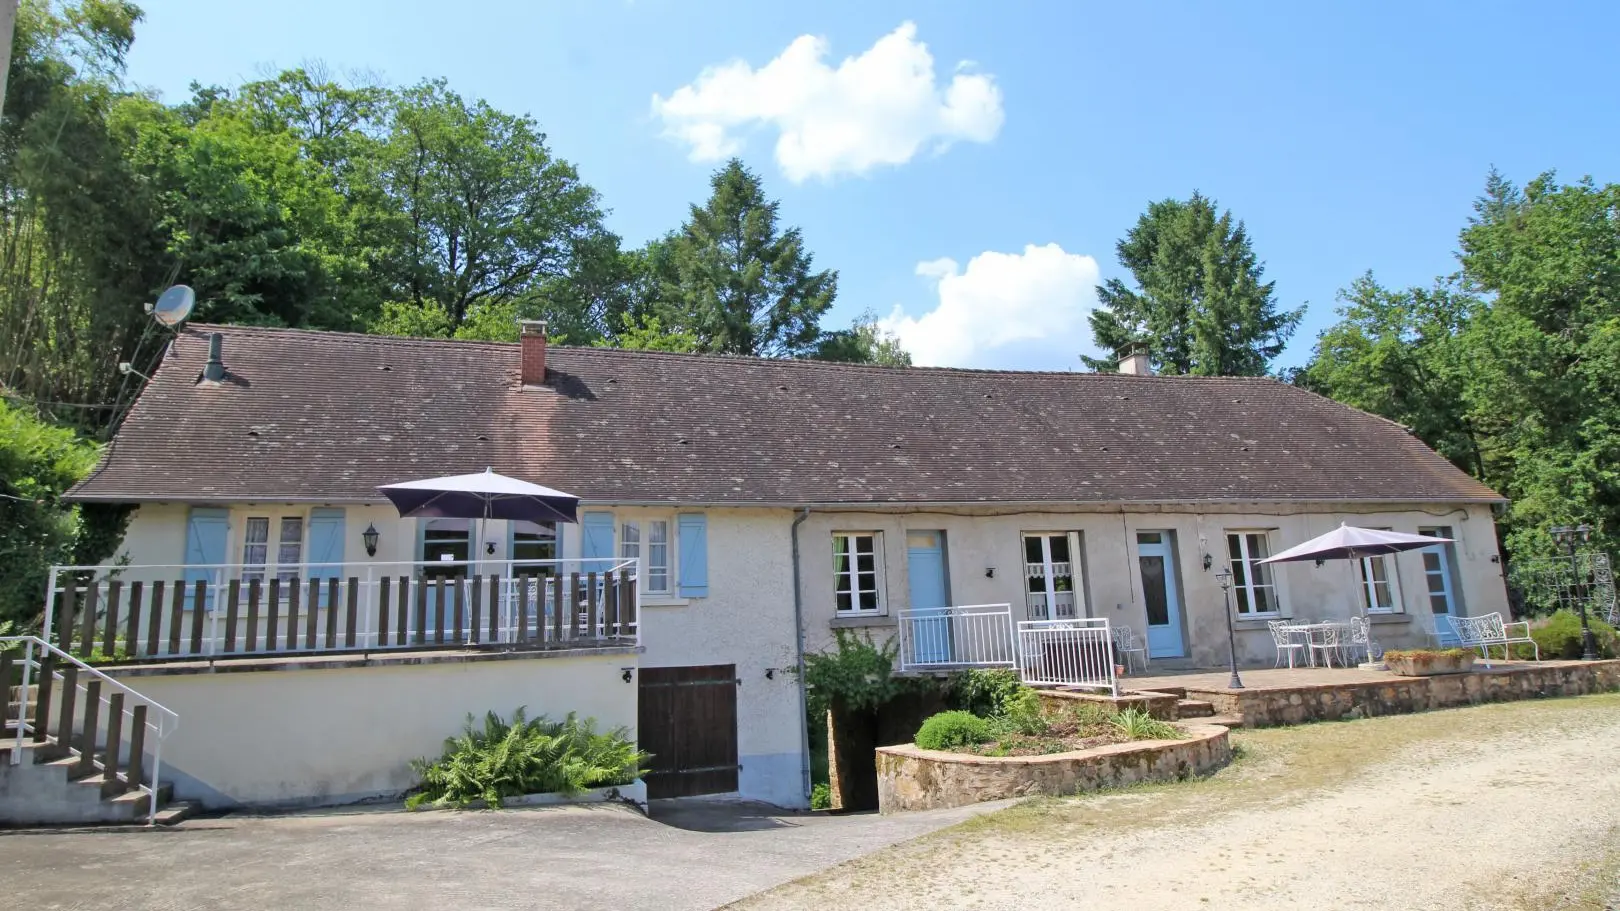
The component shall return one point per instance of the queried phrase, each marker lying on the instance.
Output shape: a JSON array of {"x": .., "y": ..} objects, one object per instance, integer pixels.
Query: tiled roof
[{"x": 329, "y": 416}]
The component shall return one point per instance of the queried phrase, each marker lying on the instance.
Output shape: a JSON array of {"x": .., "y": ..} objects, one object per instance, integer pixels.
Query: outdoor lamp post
[
  {"x": 1569, "y": 536},
  {"x": 1224, "y": 577}
]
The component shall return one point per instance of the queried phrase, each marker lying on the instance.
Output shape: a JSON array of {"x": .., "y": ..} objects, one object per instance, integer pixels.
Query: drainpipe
[{"x": 798, "y": 626}]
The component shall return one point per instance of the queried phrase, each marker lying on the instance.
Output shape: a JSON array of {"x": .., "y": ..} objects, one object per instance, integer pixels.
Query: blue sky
[{"x": 983, "y": 195}]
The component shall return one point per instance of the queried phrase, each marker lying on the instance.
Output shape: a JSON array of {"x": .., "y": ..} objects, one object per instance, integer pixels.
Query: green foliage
[
  {"x": 1199, "y": 306},
  {"x": 864, "y": 342},
  {"x": 1136, "y": 724},
  {"x": 857, "y": 675},
  {"x": 986, "y": 691},
  {"x": 736, "y": 280},
  {"x": 821, "y": 796},
  {"x": 509, "y": 759},
  {"x": 956, "y": 728},
  {"x": 38, "y": 463},
  {"x": 1559, "y": 636}
]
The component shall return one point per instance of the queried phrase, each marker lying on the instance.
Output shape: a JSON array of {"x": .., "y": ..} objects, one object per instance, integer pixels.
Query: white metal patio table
[{"x": 1323, "y": 637}]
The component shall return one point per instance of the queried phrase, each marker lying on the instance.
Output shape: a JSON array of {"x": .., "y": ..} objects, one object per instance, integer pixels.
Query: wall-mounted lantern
[
  {"x": 1208, "y": 562},
  {"x": 369, "y": 536}
]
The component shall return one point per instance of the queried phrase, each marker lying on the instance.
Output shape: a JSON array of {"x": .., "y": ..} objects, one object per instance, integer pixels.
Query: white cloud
[
  {"x": 880, "y": 108},
  {"x": 1004, "y": 310}
]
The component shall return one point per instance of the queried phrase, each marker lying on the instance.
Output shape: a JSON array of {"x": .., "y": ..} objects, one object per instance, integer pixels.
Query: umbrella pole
[{"x": 1372, "y": 663}]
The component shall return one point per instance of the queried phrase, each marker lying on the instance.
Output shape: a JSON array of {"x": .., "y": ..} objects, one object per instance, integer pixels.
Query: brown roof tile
[{"x": 329, "y": 416}]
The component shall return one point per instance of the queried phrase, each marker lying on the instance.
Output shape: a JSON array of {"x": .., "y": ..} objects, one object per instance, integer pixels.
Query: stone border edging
[{"x": 913, "y": 779}]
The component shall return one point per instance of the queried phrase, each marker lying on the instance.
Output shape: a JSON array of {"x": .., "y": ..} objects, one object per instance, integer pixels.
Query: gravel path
[{"x": 1512, "y": 806}]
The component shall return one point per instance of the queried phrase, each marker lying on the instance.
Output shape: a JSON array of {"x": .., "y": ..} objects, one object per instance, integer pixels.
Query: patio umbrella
[
  {"x": 1348, "y": 542},
  {"x": 482, "y": 495}
]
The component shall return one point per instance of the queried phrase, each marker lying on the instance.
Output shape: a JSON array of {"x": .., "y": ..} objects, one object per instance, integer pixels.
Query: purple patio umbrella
[
  {"x": 1348, "y": 542},
  {"x": 482, "y": 495}
]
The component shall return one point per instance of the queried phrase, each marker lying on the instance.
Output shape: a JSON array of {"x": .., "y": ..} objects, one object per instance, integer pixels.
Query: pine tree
[{"x": 1199, "y": 306}]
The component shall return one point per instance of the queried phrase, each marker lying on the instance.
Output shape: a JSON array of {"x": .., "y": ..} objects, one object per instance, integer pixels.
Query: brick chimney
[{"x": 532, "y": 339}]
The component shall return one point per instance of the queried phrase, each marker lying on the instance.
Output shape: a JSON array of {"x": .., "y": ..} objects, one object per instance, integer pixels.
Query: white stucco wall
[
  {"x": 339, "y": 735},
  {"x": 978, "y": 539}
]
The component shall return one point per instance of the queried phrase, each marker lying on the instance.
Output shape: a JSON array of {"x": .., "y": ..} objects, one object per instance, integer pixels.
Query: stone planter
[
  {"x": 1429, "y": 664},
  {"x": 913, "y": 779}
]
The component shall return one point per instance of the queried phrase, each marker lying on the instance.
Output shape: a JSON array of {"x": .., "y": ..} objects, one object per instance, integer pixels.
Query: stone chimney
[
  {"x": 1135, "y": 363},
  {"x": 532, "y": 339}
]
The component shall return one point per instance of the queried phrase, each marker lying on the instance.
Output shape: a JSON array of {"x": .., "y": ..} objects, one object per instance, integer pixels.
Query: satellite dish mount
[{"x": 173, "y": 306}]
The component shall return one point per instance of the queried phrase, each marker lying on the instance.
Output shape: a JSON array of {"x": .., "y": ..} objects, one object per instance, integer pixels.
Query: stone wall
[
  {"x": 913, "y": 779},
  {"x": 853, "y": 735},
  {"x": 1406, "y": 695},
  {"x": 1159, "y": 705}
]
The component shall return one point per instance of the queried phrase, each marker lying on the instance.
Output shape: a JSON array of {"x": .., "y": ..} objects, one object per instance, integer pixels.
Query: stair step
[
  {"x": 1231, "y": 721},
  {"x": 1194, "y": 708},
  {"x": 177, "y": 811},
  {"x": 1180, "y": 692}
]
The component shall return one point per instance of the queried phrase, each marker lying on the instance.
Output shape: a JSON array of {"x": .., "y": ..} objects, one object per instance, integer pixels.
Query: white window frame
[
  {"x": 881, "y": 606},
  {"x": 521, "y": 565},
  {"x": 641, "y": 553},
  {"x": 1049, "y": 575},
  {"x": 1447, "y": 570},
  {"x": 1370, "y": 584},
  {"x": 1248, "y": 586},
  {"x": 272, "y": 566}
]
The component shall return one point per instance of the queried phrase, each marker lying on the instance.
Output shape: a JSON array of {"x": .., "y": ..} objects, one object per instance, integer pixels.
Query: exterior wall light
[
  {"x": 369, "y": 536},
  {"x": 628, "y": 672},
  {"x": 1208, "y": 561}
]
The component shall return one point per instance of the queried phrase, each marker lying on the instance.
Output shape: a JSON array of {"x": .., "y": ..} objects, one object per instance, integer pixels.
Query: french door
[{"x": 1051, "y": 575}]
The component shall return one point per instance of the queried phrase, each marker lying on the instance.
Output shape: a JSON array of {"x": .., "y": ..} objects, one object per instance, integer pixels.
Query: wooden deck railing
[{"x": 105, "y": 617}]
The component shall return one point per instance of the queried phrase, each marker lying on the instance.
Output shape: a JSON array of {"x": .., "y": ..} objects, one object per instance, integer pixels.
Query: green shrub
[
  {"x": 858, "y": 675},
  {"x": 986, "y": 692},
  {"x": 948, "y": 730},
  {"x": 1559, "y": 636},
  {"x": 1136, "y": 724},
  {"x": 526, "y": 757},
  {"x": 821, "y": 797}
]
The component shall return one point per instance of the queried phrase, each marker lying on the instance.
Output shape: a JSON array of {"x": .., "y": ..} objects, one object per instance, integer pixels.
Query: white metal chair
[
  {"x": 1286, "y": 642},
  {"x": 1126, "y": 643},
  {"x": 1356, "y": 645},
  {"x": 1326, "y": 640}
]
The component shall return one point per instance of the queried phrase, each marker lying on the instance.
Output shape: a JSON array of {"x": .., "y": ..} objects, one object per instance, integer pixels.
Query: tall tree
[
  {"x": 864, "y": 342},
  {"x": 739, "y": 282},
  {"x": 1200, "y": 305}
]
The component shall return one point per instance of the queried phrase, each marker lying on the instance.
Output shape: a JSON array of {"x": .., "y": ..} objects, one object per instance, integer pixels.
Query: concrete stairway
[{"x": 50, "y": 785}]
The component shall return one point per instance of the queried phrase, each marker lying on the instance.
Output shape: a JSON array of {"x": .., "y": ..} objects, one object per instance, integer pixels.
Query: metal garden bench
[{"x": 1487, "y": 630}]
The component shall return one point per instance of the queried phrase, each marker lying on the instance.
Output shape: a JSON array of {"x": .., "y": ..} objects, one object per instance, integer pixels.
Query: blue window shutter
[
  {"x": 206, "y": 529},
  {"x": 326, "y": 528},
  {"x": 694, "y": 554},
  {"x": 596, "y": 528}
]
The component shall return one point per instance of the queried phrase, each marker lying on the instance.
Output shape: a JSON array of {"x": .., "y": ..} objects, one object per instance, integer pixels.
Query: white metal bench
[{"x": 1487, "y": 630}]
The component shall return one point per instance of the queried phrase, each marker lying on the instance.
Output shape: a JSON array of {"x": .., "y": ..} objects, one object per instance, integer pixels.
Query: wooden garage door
[{"x": 688, "y": 721}]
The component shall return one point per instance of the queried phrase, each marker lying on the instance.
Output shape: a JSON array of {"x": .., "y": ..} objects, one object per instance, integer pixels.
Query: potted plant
[{"x": 1425, "y": 662}]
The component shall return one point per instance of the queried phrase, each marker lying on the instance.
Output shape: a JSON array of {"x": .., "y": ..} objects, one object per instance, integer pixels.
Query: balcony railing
[
  {"x": 1059, "y": 607},
  {"x": 1077, "y": 652},
  {"x": 977, "y": 635},
  {"x": 232, "y": 610}
]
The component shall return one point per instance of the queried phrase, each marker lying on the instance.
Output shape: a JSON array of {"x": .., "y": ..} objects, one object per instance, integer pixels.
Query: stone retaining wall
[
  {"x": 913, "y": 779},
  {"x": 1406, "y": 695},
  {"x": 1160, "y": 705}
]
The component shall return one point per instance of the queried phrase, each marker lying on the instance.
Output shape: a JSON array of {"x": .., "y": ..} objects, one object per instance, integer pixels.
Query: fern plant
[{"x": 502, "y": 759}]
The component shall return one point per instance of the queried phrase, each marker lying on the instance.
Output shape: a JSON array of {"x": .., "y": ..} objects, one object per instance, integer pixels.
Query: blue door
[
  {"x": 930, "y": 627},
  {"x": 1155, "y": 554}
]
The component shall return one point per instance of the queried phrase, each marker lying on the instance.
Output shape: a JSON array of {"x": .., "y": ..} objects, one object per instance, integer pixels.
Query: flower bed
[{"x": 1429, "y": 662}]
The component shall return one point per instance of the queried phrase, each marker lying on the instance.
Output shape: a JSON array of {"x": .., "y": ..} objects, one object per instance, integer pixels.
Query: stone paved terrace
[{"x": 1273, "y": 696}]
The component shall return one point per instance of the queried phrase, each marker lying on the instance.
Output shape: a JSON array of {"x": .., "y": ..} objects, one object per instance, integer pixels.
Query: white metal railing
[
  {"x": 43, "y": 666},
  {"x": 1060, "y": 606},
  {"x": 151, "y": 611},
  {"x": 974, "y": 635},
  {"x": 1075, "y": 652}
]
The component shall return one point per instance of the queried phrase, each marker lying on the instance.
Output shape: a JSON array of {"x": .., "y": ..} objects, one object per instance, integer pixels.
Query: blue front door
[
  {"x": 1155, "y": 554},
  {"x": 930, "y": 628}
]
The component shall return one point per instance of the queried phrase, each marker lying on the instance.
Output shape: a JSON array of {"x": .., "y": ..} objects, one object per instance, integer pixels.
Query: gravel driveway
[
  {"x": 1500, "y": 807},
  {"x": 694, "y": 854}
]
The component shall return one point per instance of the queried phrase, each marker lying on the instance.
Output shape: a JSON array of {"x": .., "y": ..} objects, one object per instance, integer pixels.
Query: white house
[{"x": 735, "y": 512}]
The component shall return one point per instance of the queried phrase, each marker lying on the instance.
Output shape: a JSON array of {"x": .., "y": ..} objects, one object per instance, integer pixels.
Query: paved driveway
[{"x": 693, "y": 854}]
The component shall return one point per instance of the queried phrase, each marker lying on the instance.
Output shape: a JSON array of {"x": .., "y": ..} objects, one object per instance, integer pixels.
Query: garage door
[{"x": 688, "y": 721}]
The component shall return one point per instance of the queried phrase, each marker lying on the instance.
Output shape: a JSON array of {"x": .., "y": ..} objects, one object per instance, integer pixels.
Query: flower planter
[
  {"x": 634, "y": 794},
  {"x": 1429, "y": 664}
]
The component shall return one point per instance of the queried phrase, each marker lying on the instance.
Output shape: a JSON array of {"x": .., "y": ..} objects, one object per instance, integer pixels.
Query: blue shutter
[
  {"x": 206, "y": 529},
  {"x": 596, "y": 528},
  {"x": 325, "y": 545},
  {"x": 694, "y": 555}
]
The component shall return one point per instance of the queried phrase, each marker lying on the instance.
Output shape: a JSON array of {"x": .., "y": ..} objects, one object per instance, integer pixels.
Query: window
[
  {"x": 1051, "y": 575},
  {"x": 1437, "y": 571},
  {"x": 290, "y": 548},
  {"x": 1253, "y": 585},
  {"x": 648, "y": 540},
  {"x": 446, "y": 548},
  {"x": 1380, "y": 590},
  {"x": 855, "y": 573},
  {"x": 255, "y": 548},
  {"x": 532, "y": 544}
]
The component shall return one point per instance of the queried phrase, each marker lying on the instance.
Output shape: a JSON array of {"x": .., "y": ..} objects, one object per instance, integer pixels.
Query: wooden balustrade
[{"x": 118, "y": 620}]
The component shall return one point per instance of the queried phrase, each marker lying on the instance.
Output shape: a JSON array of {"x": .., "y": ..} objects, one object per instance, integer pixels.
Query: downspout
[{"x": 804, "y": 690}]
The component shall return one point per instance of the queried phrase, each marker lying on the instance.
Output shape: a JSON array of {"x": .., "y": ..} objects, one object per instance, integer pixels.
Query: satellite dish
[{"x": 174, "y": 305}]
